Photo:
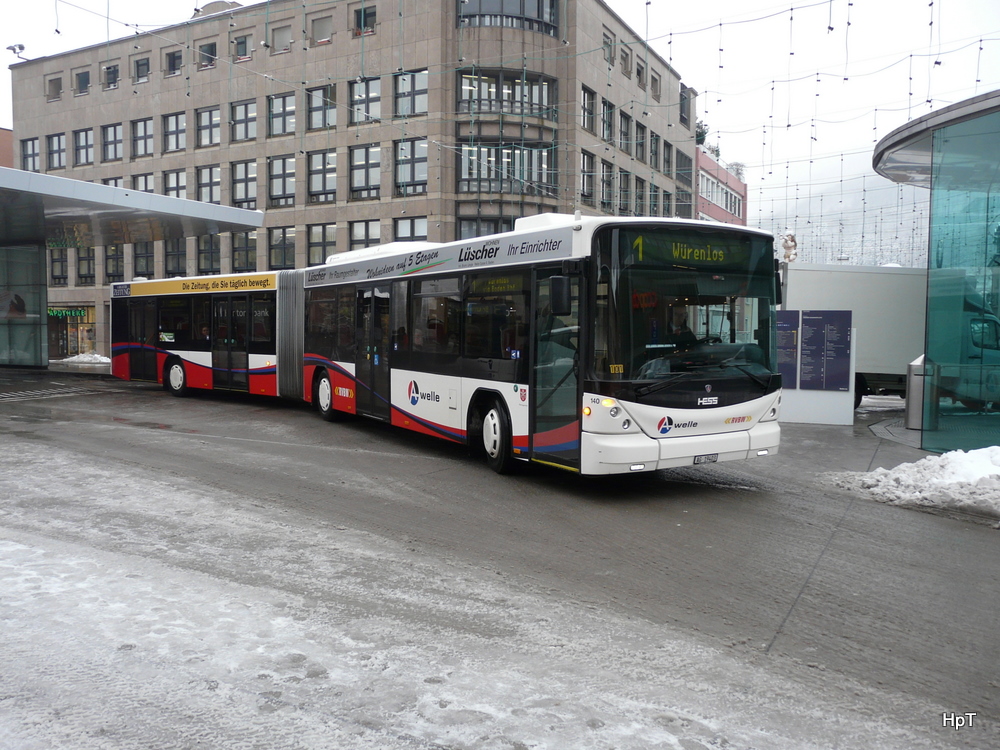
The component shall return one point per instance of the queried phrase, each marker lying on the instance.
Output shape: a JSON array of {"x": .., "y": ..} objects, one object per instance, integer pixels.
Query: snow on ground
[
  {"x": 142, "y": 609},
  {"x": 91, "y": 358},
  {"x": 967, "y": 481}
]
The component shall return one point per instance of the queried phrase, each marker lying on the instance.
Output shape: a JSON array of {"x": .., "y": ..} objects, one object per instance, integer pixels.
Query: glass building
[{"x": 955, "y": 153}]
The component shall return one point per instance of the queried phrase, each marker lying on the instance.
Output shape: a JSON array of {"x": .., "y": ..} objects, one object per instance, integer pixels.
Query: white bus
[{"x": 596, "y": 345}]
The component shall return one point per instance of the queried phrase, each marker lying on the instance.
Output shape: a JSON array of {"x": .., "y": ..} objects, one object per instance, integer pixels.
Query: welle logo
[{"x": 414, "y": 395}]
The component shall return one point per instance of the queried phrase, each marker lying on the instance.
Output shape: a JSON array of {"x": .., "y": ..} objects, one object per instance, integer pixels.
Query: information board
[
  {"x": 825, "y": 363},
  {"x": 788, "y": 348}
]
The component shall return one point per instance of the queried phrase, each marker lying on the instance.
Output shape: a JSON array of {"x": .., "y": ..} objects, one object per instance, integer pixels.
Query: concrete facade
[{"x": 350, "y": 124}]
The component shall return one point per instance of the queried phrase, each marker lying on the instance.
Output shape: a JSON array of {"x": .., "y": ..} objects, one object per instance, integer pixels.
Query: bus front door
[
  {"x": 229, "y": 342},
  {"x": 555, "y": 382},
  {"x": 143, "y": 338},
  {"x": 372, "y": 363}
]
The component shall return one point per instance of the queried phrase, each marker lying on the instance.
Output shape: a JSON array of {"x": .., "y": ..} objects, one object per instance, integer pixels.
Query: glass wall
[
  {"x": 23, "y": 297},
  {"x": 962, "y": 396}
]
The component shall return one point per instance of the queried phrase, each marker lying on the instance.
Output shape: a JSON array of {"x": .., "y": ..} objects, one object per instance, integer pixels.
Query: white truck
[{"x": 889, "y": 308}]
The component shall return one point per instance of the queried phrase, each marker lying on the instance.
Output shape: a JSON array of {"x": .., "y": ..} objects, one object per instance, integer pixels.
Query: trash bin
[{"x": 915, "y": 394}]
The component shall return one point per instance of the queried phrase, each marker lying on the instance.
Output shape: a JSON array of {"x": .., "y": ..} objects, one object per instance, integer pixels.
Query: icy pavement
[{"x": 141, "y": 610}]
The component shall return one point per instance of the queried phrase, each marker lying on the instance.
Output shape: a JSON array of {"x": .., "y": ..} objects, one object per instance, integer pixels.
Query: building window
[
  {"x": 175, "y": 257},
  {"x": 174, "y": 63},
  {"x": 364, "y": 20},
  {"x": 411, "y": 229},
  {"x": 53, "y": 89},
  {"x": 113, "y": 181},
  {"x": 143, "y": 183},
  {"x": 588, "y": 102},
  {"x": 654, "y": 200},
  {"x": 366, "y": 168},
  {"x": 683, "y": 204},
  {"x": 654, "y": 151},
  {"x": 244, "y": 252},
  {"x": 281, "y": 180},
  {"x": 411, "y": 167},
  {"x": 209, "y": 125},
  {"x": 209, "y": 254},
  {"x": 608, "y": 48},
  {"x": 365, "y": 233},
  {"x": 244, "y": 174},
  {"x": 531, "y": 15},
  {"x": 684, "y": 109},
  {"x": 142, "y": 138},
  {"x": 625, "y": 132},
  {"x": 668, "y": 158},
  {"x": 607, "y": 186},
  {"x": 478, "y": 227},
  {"x": 640, "y": 142},
  {"x": 281, "y": 114},
  {"x": 114, "y": 263},
  {"x": 322, "y": 30},
  {"x": 281, "y": 39},
  {"x": 624, "y": 193},
  {"x": 667, "y": 211},
  {"x": 607, "y": 120},
  {"x": 640, "y": 197},
  {"x": 110, "y": 77},
  {"x": 85, "y": 266},
  {"x": 31, "y": 159},
  {"x": 626, "y": 57},
  {"x": 174, "y": 132},
  {"x": 210, "y": 184},
  {"x": 82, "y": 83},
  {"x": 142, "y": 259},
  {"x": 322, "y": 242},
  {"x": 175, "y": 183},
  {"x": 521, "y": 169},
  {"x": 588, "y": 176},
  {"x": 654, "y": 86},
  {"x": 321, "y": 106},
  {"x": 515, "y": 92},
  {"x": 410, "y": 93},
  {"x": 56, "y": 151},
  {"x": 244, "y": 121},
  {"x": 58, "y": 266},
  {"x": 140, "y": 70},
  {"x": 281, "y": 248},
  {"x": 323, "y": 176},
  {"x": 207, "y": 54},
  {"x": 684, "y": 171},
  {"x": 366, "y": 100},
  {"x": 112, "y": 142},
  {"x": 242, "y": 47},
  {"x": 83, "y": 147},
  {"x": 640, "y": 74}
]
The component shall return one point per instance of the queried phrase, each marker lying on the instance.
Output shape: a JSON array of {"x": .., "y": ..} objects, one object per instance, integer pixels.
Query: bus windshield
[{"x": 679, "y": 303}]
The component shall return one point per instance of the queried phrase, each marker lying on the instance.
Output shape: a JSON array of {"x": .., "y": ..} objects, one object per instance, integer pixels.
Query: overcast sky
[{"x": 798, "y": 92}]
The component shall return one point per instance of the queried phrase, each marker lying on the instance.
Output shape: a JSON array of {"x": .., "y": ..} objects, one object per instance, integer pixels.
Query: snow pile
[
  {"x": 958, "y": 480},
  {"x": 91, "y": 358}
]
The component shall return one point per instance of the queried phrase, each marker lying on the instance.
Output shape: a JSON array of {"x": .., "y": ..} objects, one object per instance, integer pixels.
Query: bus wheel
[
  {"x": 497, "y": 438},
  {"x": 323, "y": 397},
  {"x": 175, "y": 379}
]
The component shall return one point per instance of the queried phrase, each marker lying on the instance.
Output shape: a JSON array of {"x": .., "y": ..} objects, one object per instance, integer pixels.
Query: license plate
[{"x": 709, "y": 458}]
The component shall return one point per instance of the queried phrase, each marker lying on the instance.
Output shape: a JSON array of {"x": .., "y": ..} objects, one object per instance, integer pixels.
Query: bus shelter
[
  {"x": 955, "y": 153},
  {"x": 38, "y": 211}
]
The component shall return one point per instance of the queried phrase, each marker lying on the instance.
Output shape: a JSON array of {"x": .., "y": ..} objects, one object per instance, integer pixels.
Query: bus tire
[
  {"x": 323, "y": 397},
  {"x": 497, "y": 438},
  {"x": 174, "y": 377}
]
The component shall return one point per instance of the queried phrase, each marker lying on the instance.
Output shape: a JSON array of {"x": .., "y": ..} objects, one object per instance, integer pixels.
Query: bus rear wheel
[
  {"x": 174, "y": 378},
  {"x": 323, "y": 397},
  {"x": 497, "y": 438}
]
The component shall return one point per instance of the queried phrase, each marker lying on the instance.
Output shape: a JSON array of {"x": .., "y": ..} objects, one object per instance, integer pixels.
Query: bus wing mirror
[
  {"x": 561, "y": 295},
  {"x": 777, "y": 282}
]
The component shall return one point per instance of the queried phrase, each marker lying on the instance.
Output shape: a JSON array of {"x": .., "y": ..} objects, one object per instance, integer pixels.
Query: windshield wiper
[
  {"x": 659, "y": 385},
  {"x": 760, "y": 380}
]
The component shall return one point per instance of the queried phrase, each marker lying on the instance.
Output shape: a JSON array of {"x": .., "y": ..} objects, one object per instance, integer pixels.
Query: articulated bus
[{"x": 596, "y": 345}]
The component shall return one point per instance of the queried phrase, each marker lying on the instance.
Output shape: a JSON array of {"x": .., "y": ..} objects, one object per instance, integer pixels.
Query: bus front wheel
[
  {"x": 175, "y": 379},
  {"x": 323, "y": 397},
  {"x": 497, "y": 438}
]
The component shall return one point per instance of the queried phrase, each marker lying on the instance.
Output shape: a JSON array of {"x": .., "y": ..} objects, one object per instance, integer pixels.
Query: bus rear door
[
  {"x": 555, "y": 382},
  {"x": 372, "y": 361},
  {"x": 143, "y": 339}
]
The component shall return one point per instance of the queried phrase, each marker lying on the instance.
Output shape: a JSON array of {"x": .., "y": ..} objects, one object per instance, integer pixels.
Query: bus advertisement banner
[
  {"x": 250, "y": 282},
  {"x": 474, "y": 254}
]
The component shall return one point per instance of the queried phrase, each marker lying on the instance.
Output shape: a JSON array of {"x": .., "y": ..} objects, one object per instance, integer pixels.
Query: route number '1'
[{"x": 637, "y": 245}]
